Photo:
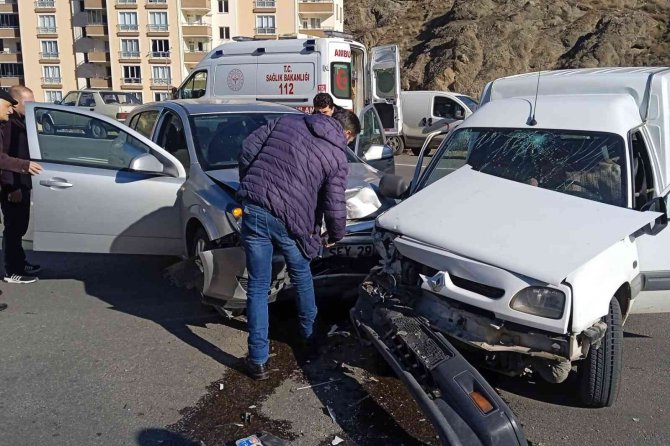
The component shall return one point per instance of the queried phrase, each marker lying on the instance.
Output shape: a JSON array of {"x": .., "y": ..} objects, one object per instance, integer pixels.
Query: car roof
[{"x": 204, "y": 106}]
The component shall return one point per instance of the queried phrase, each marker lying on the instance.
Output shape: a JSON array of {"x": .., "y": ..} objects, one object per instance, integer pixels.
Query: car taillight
[{"x": 121, "y": 116}]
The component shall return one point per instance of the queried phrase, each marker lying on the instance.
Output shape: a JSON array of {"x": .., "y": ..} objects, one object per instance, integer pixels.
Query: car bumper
[{"x": 443, "y": 383}]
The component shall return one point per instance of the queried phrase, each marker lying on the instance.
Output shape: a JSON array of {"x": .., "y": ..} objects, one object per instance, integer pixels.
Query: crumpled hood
[{"x": 538, "y": 233}]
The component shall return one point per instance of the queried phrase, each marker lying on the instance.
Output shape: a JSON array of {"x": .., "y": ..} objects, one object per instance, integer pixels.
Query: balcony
[
  {"x": 9, "y": 33},
  {"x": 131, "y": 83},
  {"x": 50, "y": 57},
  {"x": 52, "y": 82},
  {"x": 45, "y": 6},
  {"x": 316, "y": 7},
  {"x": 98, "y": 57},
  {"x": 196, "y": 29},
  {"x": 266, "y": 31},
  {"x": 94, "y": 4},
  {"x": 8, "y": 81},
  {"x": 160, "y": 83},
  {"x": 316, "y": 32},
  {"x": 9, "y": 56},
  {"x": 129, "y": 56},
  {"x": 89, "y": 45},
  {"x": 126, "y": 4},
  {"x": 265, "y": 6},
  {"x": 128, "y": 29},
  {"x": 156, "y": 4},
  {"x": 154, "y": 29},
  {"x": 196, "y": 5},
  {"x": 98, "y": 82},
  {"x": 162, "y": 57},
  {"x": 47, "y": 31},
  {"x": 9, "y": 6},
  {"x": 194, "y": 56},
  {"x": 96, "y": 29}
]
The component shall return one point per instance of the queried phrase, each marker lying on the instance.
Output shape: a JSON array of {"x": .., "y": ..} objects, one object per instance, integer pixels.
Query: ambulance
[{"x": 292, "y": 71}]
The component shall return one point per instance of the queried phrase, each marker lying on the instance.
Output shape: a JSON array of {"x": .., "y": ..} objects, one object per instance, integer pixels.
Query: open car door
[
  {"x": 104, "y": 188},
  {"x": 385, "y": 86}
]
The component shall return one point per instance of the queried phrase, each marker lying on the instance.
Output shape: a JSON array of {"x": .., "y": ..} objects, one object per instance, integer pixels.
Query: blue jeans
[{"x": 261, "y": 232}]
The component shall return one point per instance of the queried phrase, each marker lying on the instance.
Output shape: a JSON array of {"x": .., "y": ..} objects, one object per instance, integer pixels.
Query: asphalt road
[{"x": 103, "y": 351}]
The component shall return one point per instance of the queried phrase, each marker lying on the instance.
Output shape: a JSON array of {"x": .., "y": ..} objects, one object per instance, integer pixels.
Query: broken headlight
[{"x": 540, "y": 301}]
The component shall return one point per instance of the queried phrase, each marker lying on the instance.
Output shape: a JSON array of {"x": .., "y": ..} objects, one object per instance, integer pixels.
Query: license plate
[{"x": 351, "y": 251}]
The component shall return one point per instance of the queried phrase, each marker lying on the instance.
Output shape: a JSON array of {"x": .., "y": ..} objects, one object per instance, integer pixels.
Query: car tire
[
  {"x": 48, "y": 127},
  {"x": 98, "y": 131},
  {"x": 198, "y": 242},
  {"x": 416, "y": 151},
  {"x": 396, "y": 143},
  {"x": 600, "y": 372}
]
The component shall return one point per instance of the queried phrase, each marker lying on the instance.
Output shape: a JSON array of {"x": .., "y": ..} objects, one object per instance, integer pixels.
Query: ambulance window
[
  {"x": 195, "y": 86},
  {"x": 340, "y": 73}
]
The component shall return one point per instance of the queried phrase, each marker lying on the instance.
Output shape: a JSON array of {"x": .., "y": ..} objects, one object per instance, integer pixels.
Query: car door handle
[
  {"x": 58, "y": 183},
  {"x": 430, "y": 122},
  {"x": 92, "y": 109}
]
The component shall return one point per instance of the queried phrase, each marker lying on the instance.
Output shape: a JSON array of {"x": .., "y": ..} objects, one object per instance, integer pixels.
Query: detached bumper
[{"x": 446, "y": 387}]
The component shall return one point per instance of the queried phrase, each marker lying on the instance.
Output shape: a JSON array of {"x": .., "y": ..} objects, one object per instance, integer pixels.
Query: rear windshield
[{"x": 113, "y": 97}]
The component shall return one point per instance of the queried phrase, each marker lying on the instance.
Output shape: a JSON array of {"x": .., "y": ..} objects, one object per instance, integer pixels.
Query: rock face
[{"x": 459, "y": 45}]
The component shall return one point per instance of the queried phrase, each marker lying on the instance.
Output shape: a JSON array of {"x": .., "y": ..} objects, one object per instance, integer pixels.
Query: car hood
[
  {"x": 538, "y": 233},
  {"x": 360, "y": 175}
]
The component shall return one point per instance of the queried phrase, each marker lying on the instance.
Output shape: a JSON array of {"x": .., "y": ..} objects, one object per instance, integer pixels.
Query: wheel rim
[
  {"x": 98, "y": 131},
  {"x": 199, "y": 246},
  {"x": 47, "y": 127},
  {"x": 394, "y": 143}
]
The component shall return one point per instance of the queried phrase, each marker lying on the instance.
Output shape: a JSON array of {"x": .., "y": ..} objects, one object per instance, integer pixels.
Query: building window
[
  {"x": 266, "y": 3},
  {"x": 46, "y": 23},
  {"x": 265, "y": 24},
  {"x": 9, "y": 20},
  {"x": 223, "y": 6},
  {"x": 11, "y": 70},
  {"x": 137, "y": 96},
  {"x": 132, "y": 74},
  {"x": 53, "y": 95},
  {"x": 49, "y": 49},
  {"x": 160, "y": 48},
  {"x": 96, "y": 17},
  {"x": 52, "y": 74},
  {"x": 130, "y": 48},
  {"x": 224, "y": 32},
  {"x": 161, "y": 76},
  {"x": 161, "y": 97},
  {"x": 128, "y": 21},
  {"x": 158, "y": 21},
  {"x": 315, "y": 23}
]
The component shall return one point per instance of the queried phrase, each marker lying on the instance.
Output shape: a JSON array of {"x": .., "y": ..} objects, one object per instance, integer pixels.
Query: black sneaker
[
  {"x": 31, "y": 269},
  {"x": 259, "y": 372},
  {"x": 17, "y": 278}
]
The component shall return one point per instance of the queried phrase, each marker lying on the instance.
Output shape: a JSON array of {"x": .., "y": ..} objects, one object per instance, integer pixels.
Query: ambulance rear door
[{"x": 384, "y": 71}]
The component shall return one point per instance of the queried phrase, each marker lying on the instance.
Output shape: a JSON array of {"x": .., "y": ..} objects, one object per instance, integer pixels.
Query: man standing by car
[
  {"x": 293, "y": 175},
  {"x": 324, "y": 104},
  {"x": 15, "y": 194}
]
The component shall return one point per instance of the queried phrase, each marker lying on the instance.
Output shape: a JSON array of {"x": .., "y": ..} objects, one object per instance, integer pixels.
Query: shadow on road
[{"x": 163, "y": 437}]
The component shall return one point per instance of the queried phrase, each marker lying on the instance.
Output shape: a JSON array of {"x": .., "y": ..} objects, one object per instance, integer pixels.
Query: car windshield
[
  {"x": 115, "y": 97},
  {"x": 467, "y": 100},
  {"x": 218, "y": 138},
  {"x": 586, "y": 164}
]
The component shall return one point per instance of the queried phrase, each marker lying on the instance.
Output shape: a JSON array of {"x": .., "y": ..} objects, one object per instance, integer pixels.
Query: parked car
[
  {"x": 165, "y": 184},
  {"x": 424, "y": 112}
]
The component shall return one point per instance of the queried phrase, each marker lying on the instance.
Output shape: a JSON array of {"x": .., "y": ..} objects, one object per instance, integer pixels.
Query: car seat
[{"x": 175, "y": 143}]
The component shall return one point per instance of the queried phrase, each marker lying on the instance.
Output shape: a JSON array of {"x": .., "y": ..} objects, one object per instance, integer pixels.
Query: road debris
[
  {"x": 220, "y": 386},
  {"x": 318, "y": 385},
  {"x": 249, "y": 441},
  {"x": 334, "y": 332},
  {"x": 246, "y": 417},
  {"x": 331, "y": 413},
  {"x": 637, "y": 420},
  {"x": 252, "y": 407},
  {"x": 337, "y": 440}
]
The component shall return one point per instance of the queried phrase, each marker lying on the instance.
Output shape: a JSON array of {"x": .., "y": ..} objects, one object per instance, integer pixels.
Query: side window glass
[
  {"x": 446, "y": 108},
  {"x": 195, "y": 87},
  {"x": 643, "y": 183},
  {"x": 133, "y": 122},
  {"x": 371, "y": 132},
  {"x": 146, "y": 122},
  {"x": 67, "y": 137},
  {"x": 173, "y": 139},
  {"x": 70, "y": 99},
  {"x": 86, "y": 100}
]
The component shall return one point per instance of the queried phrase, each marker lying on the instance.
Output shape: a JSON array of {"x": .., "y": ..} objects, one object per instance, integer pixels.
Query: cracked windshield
[{"x": 585, "y": 164}]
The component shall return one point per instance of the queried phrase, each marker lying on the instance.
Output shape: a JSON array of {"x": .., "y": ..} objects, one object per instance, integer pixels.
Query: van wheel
[
  {"x": 600, "y": 372},
  {"x": 48, "y": 126},
  {"x": 98, "y": 131},
  {"x": 396, "y": 143}
]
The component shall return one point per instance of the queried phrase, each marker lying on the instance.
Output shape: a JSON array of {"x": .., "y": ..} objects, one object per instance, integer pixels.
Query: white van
[
  {"x": 424, "y": 112},
  {"x": 293, "y": 71},
  {"x": 539, "y": 225}
]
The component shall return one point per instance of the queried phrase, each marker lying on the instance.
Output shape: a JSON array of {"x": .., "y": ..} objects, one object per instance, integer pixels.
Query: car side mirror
[
  {"x": 393, "y": 186},
  {"x": 146, "y": 163},
  {"x": 658, "y": 204},
  {"x": 378, "y": 152}
]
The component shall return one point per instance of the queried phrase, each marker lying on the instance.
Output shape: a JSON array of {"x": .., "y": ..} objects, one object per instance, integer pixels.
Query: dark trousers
[{"x": 16, "y": 218}]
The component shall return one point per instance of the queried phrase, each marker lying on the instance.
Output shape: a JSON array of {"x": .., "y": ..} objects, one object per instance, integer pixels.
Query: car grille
[{"x": 476, "y": 287}]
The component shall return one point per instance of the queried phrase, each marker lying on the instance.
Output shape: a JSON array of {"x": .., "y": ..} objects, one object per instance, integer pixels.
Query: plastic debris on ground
[
  {"x": 337, "y": 440},
  {"x": 335, "y": 332},
  {"x": 262, "y": 439},
  {"x": 332, "y": 414}
]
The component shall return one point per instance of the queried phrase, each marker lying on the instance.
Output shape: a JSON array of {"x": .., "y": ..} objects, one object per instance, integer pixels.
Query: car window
[
  {"x": 371, "y": 132},
  {"x": 145, "y": 122},
  {"x": 195, "y": 87},
  {"x": 116, "y": 97},
  {"x": 86, "y": 100},
  {"x": 444, "y": 107},
  {"x": 172, "y": 138},
  {"x": 70, "y": 99},
  {"x": 67, "y": 137},
  {"x": 469, "y": 102}
]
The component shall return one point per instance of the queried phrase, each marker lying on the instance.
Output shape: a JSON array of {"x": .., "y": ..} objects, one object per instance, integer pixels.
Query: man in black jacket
[{"x": 15, "y": 194}]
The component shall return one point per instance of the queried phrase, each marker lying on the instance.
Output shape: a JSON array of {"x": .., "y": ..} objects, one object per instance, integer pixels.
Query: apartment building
[{"x": 143, "y": 47}]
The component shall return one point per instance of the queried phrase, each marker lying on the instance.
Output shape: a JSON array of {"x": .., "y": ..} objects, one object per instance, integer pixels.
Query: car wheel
[
  {"x": 98, "y": 131},
  {"x": 396, "y": 143},
  {"x": 600, "y": 372},
  {"x": 48, "y": 126},
  {"x": 198, "y": 243}
]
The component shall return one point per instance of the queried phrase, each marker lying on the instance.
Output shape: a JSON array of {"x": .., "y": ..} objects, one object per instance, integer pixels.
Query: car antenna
[{"x": 532, "y": 121}]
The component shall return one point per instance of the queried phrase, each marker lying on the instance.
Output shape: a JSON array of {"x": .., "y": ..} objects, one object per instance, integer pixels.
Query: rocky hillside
[{"x": 459, "y": 45}]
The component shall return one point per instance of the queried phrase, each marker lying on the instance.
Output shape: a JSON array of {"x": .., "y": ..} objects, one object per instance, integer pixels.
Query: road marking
[{"x": 408, "y": 165}]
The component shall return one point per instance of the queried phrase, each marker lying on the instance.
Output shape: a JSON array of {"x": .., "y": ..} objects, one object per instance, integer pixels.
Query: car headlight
[
  {"x": 540, "y": 301},
  {"x": 362, "y": 202},
  {"x": 234, "y": 215}
]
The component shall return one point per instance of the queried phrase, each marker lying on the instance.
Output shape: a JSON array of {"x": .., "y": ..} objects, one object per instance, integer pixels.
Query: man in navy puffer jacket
[{"x": 293, "y": 175}]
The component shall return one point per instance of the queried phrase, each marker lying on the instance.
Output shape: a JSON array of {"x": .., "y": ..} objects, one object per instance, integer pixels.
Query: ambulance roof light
[
  {"x": 343, "y": 35},
  {"x": 243, "y": 39}
]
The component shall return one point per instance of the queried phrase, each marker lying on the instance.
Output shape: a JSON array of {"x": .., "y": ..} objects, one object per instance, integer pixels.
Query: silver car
[{"x": 165, "y": 183}]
